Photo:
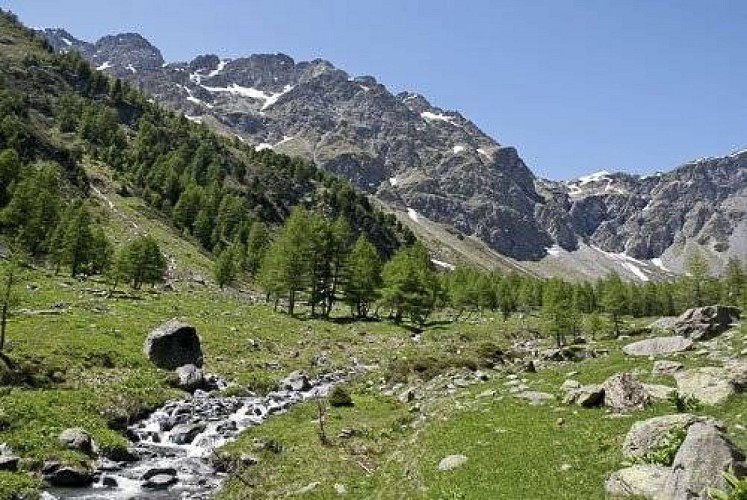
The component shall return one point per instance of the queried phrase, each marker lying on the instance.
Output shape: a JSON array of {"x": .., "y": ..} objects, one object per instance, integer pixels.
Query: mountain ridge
[{"x": 422, "y": 159}]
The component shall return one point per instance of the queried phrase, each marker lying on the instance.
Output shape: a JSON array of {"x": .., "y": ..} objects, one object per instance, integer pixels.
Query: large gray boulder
[
  {"x": 623, "y": 393},
  {"x": 657, "y": 346},
  {"x": 644, "y": 480},
  {"x": 174, "y": 344},
  {"x": 704, "y": 323},
  {"x": 711, "y": 385},
  {"x": 701, "y": 461}
]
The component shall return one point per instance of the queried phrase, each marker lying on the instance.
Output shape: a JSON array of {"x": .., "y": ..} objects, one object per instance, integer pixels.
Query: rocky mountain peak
[
  {"x": 127, "y": 50},
  {"x": 436, "y": 166}
]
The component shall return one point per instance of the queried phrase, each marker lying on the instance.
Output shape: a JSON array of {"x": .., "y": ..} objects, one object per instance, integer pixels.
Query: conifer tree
[
  {"x": 286, "y": 269},
  {"x": 362, "y": 277},
  {"x": 410, "y": 284},
  {"x": 614, "y": 301}
]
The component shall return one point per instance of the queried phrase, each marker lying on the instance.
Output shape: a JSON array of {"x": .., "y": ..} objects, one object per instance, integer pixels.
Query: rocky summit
[{"x": 436, "y": 168}]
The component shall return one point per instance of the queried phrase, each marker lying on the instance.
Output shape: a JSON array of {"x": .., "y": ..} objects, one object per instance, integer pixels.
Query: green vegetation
[{"x": 120, "y": 193}]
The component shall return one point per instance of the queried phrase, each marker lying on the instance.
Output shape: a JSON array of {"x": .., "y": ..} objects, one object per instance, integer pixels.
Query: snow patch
[
  {"x": 102, "y": 67},
  {"x": 429, "y": 116},
  {"x": 553, "y": 250},
  {"x": 595, "y": 177},
  {"x": 630, "y": 263},
  {"x": 483, "y": 152},
  {"x": 413, "y": 215},
  {"x": 458, "y": 149},
  {"x": 636, "y": 270},
  {"x": 195, "y": 119},
  {"x": 67, "y": 42},
  {"x": 658, "y": 263},
  {"x": 285, "y": 139},
  {"x": 443, "y": 264},
  {"x": 392, "y": 181},
  {"x": 262, "y": 146},
  {"x": 221, "y": 65},
  {"x": 268, "y": 98},
  {"x": 131, "y": 68}
]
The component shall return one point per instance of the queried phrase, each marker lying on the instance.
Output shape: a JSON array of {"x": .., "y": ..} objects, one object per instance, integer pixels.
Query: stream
[{"x": 174, "y": 444}]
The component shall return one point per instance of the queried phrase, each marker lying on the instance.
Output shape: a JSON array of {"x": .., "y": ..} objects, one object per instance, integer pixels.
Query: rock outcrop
[{"x": 704, "y": 323}]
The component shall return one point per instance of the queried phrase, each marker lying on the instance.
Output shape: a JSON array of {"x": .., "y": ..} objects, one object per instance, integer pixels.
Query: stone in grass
[
  {"x": 76, "y": 438},
  {"x": 666, "y": 367},
  {"x": 535, "y": 397},
  {"x": 587, "y": 396},
  {"x": 658, "y": 346},
  {"x": 623, "y": 393},
  {"x": 644, "y": 481},
  {"x": 451, "y": 462},
  {"x": 9, "y": 463},
  {"x": 645, "y": 435},
  {"x": 710, "y": 385}
]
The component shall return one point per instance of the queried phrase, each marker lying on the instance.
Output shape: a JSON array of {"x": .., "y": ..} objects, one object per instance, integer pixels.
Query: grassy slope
[{"x": 514, "y": 449}]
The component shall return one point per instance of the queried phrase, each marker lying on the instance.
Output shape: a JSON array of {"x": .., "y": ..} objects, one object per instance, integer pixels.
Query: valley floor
[{"x": 82, "y": 364}]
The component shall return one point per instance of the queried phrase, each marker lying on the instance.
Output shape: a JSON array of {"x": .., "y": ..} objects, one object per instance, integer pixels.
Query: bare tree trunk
[{"x": 6, "y": 304}]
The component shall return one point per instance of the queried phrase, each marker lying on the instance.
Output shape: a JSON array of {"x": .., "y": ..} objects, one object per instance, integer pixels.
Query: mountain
[{"x": 443, "y": 176}]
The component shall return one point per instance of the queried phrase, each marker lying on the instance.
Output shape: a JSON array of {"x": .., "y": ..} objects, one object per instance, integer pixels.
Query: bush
[
  {"x": 340, "y": 397},
  {"x": 737, "y": 488}
]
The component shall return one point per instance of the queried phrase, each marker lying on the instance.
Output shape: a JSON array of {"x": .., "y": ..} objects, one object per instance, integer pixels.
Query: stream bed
[{"x": 173, "y": 447}]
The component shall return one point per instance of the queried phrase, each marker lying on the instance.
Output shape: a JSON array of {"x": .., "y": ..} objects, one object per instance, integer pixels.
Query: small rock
[
  {"x": 109, "y": 482},
  {"x": 185, "y": 433},
  {"x": 452, "y": 462},
  {"x": 657, "y": 392},
  {"x": 644, "y": 481},
  {"x": 76, "y": 438},
  {"x": 622, "y": 392},
  {"x": 570, "y": 385},
  {"x": 9, "y": 463},
  {"x": 407, "y": 396},
  {"x": 190, "y": 378},
  {"x": 666, "y": 367},
  {"x": 340, "y": 489},
  {"x": 306, "y": 489},
  {"x": 160, "y": 481},
  {"x": 587, "y": 396},
  {"x": 65, "y": 476},
  {"x": 296, "y": 381},
  {"x": 536, "y": 397}
]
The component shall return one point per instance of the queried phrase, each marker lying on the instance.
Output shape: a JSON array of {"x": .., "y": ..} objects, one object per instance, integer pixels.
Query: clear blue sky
[{"x": 576, "y": 86}]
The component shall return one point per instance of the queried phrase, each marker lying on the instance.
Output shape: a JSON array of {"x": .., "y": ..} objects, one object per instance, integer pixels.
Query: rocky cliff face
[{"x": 431, "y": 163}]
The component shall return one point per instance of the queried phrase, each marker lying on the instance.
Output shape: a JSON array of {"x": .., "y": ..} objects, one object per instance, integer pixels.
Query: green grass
[{"x": 82, "y": 365}]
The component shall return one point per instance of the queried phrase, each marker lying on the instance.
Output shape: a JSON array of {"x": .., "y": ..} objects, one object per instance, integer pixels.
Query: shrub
[
  {"x": 737, "y": 488},
  {"x": 340, "y": 397}
]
